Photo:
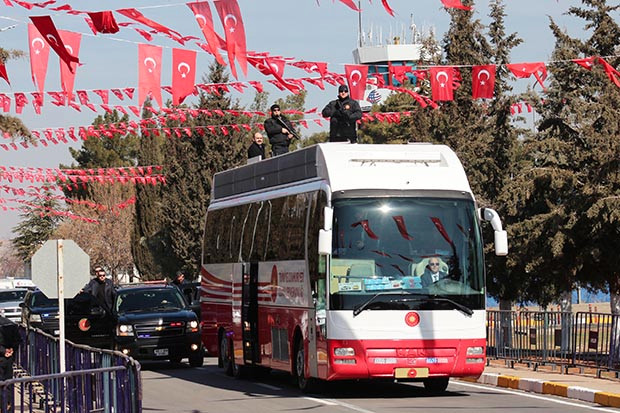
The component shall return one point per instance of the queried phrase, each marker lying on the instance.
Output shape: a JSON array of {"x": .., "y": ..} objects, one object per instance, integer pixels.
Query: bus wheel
[
  {"x": 225, "y": 352},
  {"x": 436, "y": 385},
  {"x": 305, "y": 384}
]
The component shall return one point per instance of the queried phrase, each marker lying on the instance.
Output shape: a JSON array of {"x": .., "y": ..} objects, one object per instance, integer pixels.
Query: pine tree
[
  {"x": 37, "y": 225},
  {"x": 190, "y": 164},
  {"x": 150, "y": 239}
]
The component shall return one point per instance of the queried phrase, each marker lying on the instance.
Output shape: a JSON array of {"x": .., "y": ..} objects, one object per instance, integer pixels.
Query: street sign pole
[
  {"x": 61, "y": 303},
  {"x": 61, "y": 320}
]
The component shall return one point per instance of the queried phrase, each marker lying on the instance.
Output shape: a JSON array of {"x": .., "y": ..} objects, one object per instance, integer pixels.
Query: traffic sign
[{"x": 75, "y": 268}]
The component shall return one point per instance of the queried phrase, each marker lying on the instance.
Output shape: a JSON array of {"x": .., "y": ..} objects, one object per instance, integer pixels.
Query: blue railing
[
  {"x": 548, "y": 337},
  {"x": 95, "y": 380}
]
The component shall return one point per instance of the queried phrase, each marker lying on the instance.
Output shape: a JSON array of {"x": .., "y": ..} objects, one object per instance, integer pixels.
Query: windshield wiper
[
  {"x": 458, "y": 306},
  {"x": 365, "y": 305}
]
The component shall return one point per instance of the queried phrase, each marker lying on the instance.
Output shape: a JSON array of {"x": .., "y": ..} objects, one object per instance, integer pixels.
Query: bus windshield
[{"x": 426, "y": 251}]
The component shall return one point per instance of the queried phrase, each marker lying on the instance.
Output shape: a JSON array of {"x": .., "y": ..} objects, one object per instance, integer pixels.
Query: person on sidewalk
[{"x": 10, "y": 340}]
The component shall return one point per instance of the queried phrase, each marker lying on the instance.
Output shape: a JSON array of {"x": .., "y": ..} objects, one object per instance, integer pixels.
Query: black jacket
[
  {"x": 342, "y": 116},
  {"x": 103, "y": 292},
  {"x": 256, "y": 150},
  {"x": 279, "y": 141},
  {"x": 9, "y": 338}
]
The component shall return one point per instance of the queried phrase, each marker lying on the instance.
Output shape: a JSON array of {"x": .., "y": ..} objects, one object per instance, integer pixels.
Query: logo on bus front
[
  {"x": 274, "y": 283},
  {"x": 412, "y": 319}
]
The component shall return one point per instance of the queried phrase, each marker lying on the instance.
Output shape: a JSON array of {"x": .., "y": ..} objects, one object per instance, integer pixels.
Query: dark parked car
[
  {"x": 155, "y": 322},
  {"x": 85, "y": 321}
]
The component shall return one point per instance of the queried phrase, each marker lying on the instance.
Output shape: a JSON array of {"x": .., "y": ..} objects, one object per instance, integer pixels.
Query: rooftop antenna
[{"x": 359, "y": 22}]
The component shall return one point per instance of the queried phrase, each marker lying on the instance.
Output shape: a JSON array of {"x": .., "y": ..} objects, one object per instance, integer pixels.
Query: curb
[{"x": 548, "y": 387}]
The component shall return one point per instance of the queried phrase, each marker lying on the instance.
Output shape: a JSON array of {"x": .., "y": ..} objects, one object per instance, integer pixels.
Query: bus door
[{"x": 249, "y": 313}]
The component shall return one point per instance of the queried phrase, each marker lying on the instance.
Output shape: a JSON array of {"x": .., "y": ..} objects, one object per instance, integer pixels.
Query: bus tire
[
  {"x": 436, "y": 385},
  {"x": 225, "y": 355},
  {"x": 305, "y": 384}
]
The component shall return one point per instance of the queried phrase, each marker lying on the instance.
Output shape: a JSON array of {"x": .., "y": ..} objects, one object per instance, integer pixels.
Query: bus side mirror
[
  {"x": 500, "y": 238},
  {"x": 328, "y": 216},
  {"x": 325, "y": 242}
]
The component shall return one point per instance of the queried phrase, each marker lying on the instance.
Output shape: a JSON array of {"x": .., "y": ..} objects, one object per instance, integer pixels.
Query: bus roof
[{"x": 343, "y": 166}]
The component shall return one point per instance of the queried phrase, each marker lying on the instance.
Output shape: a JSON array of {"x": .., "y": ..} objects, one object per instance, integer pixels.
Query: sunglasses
[{"x": 434, "y": 264}]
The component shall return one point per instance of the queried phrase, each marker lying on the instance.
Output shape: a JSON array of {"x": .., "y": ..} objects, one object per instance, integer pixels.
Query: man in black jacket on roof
[
  {"x": 279, "y": 131},
  {"x": 343, "y": 113}
]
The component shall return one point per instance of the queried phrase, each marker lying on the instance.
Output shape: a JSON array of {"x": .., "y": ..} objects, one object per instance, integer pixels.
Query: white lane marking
[
  {"x": 268, "y": 386},
  {"x": 598, "y": 408},
  {"x": 324, "y": 401},
  {"x": 350, "y": 406}
]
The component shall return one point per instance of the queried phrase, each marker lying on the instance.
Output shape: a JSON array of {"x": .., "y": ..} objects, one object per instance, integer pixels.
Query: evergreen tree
[
  {"x": 190, "y": 164},
  {"x": 10, "y": 124},
  {"x": 37, "y": 225},
  {"x": 150, "y": 240}
]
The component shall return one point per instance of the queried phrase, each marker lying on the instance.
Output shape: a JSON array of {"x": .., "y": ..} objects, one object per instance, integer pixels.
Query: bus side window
[
  {"x": 273, "y": 242},
  {"x": 247, "y": 231}
]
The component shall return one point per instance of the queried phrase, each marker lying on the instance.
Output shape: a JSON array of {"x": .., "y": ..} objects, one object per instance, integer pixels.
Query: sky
[{"x": 311, "y": 30}]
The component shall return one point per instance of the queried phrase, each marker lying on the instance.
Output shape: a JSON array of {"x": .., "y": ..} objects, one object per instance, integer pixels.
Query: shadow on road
[{"x": 279, "y": 384}]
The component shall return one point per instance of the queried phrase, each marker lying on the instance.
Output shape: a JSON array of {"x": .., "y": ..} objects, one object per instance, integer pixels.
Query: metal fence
[
  {"x": 95, "y": 380},
  {"x": 548, "y": 337}
]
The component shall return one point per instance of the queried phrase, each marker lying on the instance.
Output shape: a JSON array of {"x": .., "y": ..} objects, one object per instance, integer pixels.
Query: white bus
[{"x": 316, "y": 262}]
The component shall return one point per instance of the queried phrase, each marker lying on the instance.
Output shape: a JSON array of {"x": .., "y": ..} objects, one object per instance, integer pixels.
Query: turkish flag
[
  {"x": 149, "y": 73},
  {"x": 39, "y": 56},
  {"x": 610, "y": 71},
  {"x": 441, "y": 83},
  {"x": 139, "y": 17},
  {"x": 525, "y": 70},
  {"x": 202, "y": 13},
  {"x": 3, "y": 74},
  {"x": 183, "y": 74},
  {"x": 454, "y": 4},
  {"x": 356, "y": 78},
  {"x": 230, "y": 15},
  {"x": 46, "y": 27},
  {"x": 483, "y": 81},
  {"x": 586, "y": 62},
  {"x": 72, "y": 42},
  {"x": 104, "y": 21}
]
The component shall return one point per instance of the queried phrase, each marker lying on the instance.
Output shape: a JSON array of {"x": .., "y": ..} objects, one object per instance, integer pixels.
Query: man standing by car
[{"x": 101, "y": 288}]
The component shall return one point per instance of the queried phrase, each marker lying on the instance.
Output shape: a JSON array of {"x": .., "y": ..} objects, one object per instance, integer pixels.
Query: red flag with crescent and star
[
  {"x": 104, "y": 22},
  {"x": 3, "y": 73},
  {"x": 483, "y": 81},
  {"x": 72, "y": 42},
  {"x": 202, "y": 13},
  {"x": 39, "y": 56},
  {"x": 149, "y": 73},
  {"x": 356, "y": 78},
  {"x": 46, "y": 27},
  {"x": 139, "y": 17},
  {"x": 441, "y": 83},
  {"x": 525, "y": 70},
  {"x": 230, "y": 15},
  {"x": 183, "y": 74}
]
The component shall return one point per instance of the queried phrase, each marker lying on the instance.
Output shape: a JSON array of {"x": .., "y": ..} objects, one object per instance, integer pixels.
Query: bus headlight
[
  {"x": 344, "y": 351},
  {"x": 124, "y": 330},
  {"x": 475, "y": 351}
]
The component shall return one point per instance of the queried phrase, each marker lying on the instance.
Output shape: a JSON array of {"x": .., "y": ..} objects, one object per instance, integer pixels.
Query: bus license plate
[
  {"x": 410, "y": 373},
  {"x": 161, "y": 351}
]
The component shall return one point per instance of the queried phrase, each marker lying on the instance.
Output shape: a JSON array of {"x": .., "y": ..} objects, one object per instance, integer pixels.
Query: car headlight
[
  {"x": 124, "y": 330},
  {"x": 192, "y": 326},
  {"x": 35, "y": 318}
]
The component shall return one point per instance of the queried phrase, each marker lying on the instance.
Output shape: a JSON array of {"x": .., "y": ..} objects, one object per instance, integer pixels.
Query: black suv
[
  {"x": 86, "y": 322},
  {"x": 155, "y": 322}
]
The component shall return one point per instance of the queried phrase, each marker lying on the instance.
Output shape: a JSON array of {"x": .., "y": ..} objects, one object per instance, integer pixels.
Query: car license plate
[
  {"x": 161, "y": 351},
  {"x": 410, "y": 373}
]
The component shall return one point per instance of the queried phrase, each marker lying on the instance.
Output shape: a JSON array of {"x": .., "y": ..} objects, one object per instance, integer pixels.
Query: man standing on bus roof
[
  {"x": 278, "y": 130},
  {"x": 257, "y": 148},
  {"x": 343, "y": 114}
]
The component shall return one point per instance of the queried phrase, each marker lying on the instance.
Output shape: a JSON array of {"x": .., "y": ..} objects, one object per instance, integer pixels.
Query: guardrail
[
  {"x": 548, "y": 337},
  {"x": 95, "y": 380}
]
